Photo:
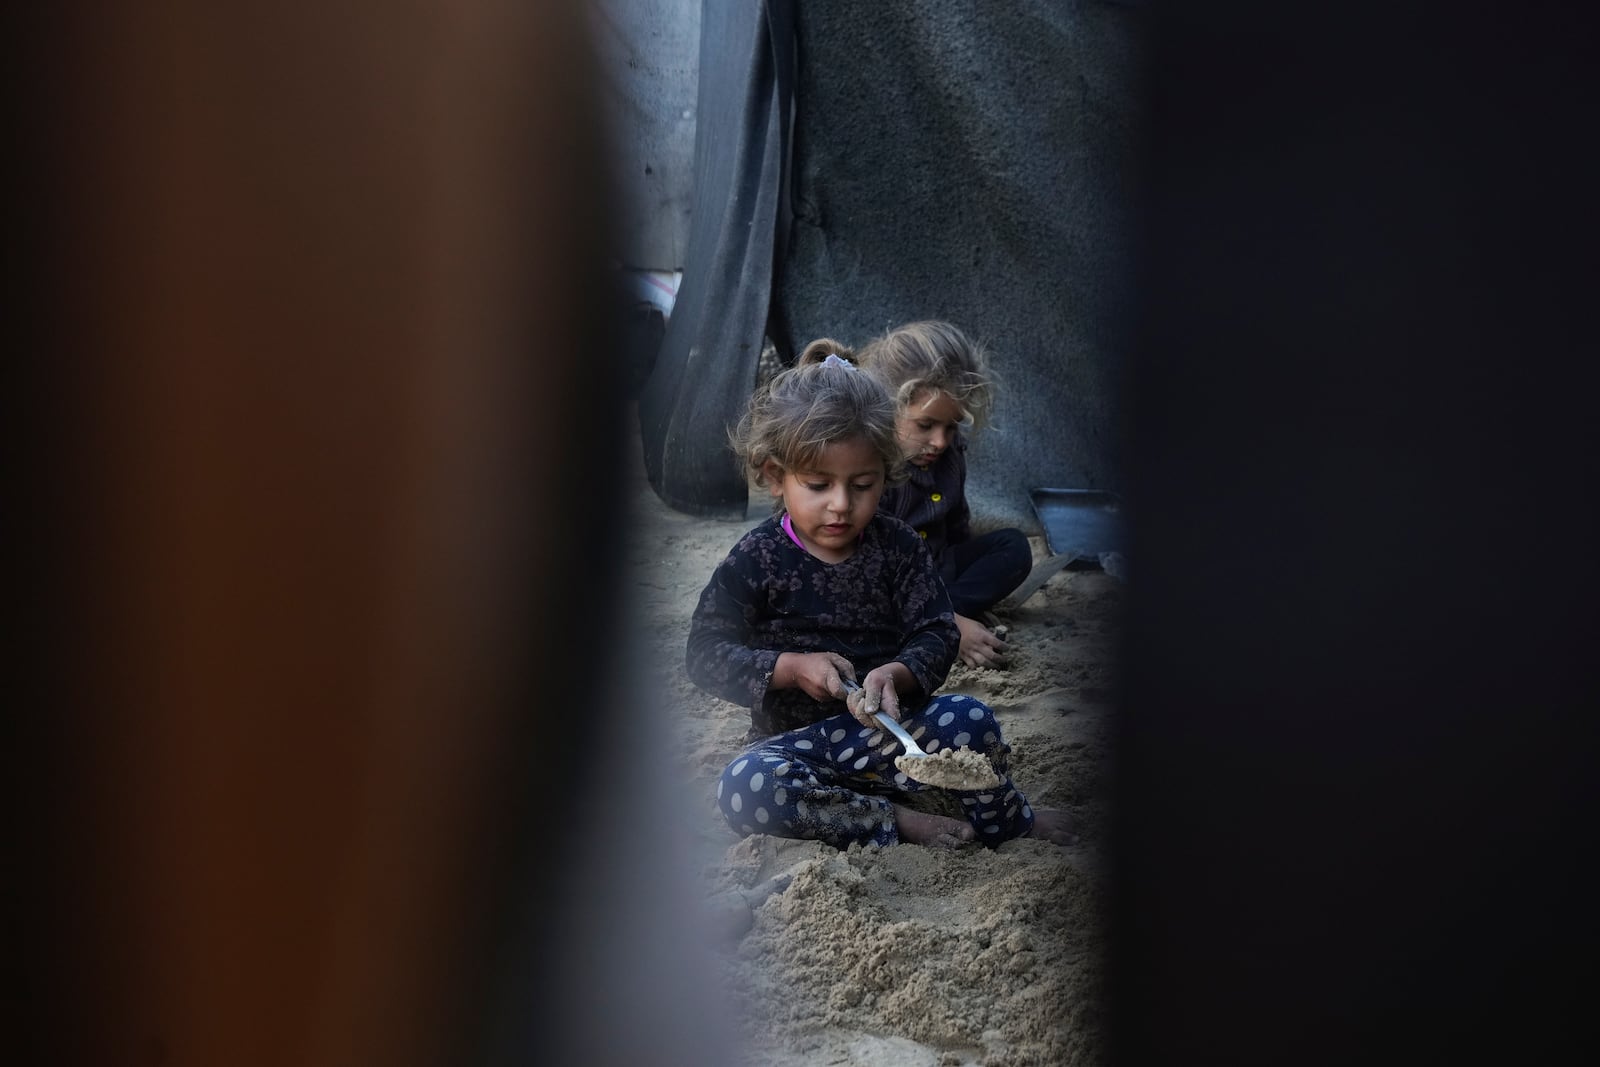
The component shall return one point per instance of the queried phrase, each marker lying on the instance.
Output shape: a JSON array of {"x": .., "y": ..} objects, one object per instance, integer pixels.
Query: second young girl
[
  {"x": 943, "y": 392},
  {"x": 829, "y": 590}
]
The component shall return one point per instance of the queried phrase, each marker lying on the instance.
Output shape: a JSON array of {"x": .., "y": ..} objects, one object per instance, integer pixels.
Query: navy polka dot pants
[{"x": 835, "y": 780}]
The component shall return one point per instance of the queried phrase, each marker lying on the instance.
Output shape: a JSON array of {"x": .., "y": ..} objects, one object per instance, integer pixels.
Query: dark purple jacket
[
  {"x": 770, "y": 596},
  {"x": 934, "y": 501}
]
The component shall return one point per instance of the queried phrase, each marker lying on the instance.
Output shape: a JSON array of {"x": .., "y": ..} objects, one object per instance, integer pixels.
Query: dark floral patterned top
[
  {"x": 934, "y": 501},
  {"x": 770, "y": 596}
]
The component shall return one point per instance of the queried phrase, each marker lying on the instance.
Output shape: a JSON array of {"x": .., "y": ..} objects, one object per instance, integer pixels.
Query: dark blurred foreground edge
[
  {"x": 1355, "y": 781},
  {"x": 319, "y": 424}
]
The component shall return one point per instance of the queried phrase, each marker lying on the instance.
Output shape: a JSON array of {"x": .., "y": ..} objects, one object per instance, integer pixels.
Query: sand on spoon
[{"x": 951, "y": 768}]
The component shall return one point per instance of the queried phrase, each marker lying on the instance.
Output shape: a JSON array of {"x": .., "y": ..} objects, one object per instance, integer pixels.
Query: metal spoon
[{"x": 912, "y": 748}]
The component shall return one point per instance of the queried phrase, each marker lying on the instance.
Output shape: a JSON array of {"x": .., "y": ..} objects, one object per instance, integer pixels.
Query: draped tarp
[
  {"x": 948, "y": 159},
  {"x": 707, "y": 364}
]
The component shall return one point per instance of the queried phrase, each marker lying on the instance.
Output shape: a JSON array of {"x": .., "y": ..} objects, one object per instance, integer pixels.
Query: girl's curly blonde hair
[
  {"x": 818, "y": 402},
  {"x": 934, "y": 356}
]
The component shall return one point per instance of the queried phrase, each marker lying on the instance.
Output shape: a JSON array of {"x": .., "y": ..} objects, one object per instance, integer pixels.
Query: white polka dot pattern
[{"x": 809, "y": 783}]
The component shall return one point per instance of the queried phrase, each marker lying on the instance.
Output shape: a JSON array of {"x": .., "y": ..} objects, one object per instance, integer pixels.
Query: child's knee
[
  {"x": 744, "y": 792},
  {"x": 1013, "y": 547},
  {"x": 958, "y": 721}
]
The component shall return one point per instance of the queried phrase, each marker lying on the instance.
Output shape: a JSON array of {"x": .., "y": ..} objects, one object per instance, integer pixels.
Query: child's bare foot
[
  {"x": 933, "y": 831},
  {"x": 1055, "y": 825}
]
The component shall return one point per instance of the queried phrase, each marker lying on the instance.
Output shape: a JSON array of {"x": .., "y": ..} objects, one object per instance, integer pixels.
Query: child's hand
[
  {"x": 877, "y": 693},
  {"x": 820, "y": 675},
  {"x": 980, "y": 647}
]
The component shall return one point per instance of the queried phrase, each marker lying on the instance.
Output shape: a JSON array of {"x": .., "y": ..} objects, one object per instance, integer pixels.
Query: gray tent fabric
[
  {"x": 706, "y": 368},
  {"x": 970, "y": 162}
]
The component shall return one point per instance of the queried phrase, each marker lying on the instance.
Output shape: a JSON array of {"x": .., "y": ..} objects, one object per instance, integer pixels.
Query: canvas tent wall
[
  {"x": 649, "y": 56},
  {"x": 861, "y": 165}
]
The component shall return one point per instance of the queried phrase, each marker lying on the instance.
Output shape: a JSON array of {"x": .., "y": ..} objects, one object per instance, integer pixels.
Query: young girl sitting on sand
[
  {"x": 829, "y": 590},
  {"x": 943, "y": 390}
]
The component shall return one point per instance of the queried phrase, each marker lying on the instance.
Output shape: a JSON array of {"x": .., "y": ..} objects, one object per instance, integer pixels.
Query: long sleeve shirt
[
  {"x": 933, "y": 500},
  {"x": 770, "y": 596}
]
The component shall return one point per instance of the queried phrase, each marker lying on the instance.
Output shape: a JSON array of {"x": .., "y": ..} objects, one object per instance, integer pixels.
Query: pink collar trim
[{"x": 788, "y": 528}]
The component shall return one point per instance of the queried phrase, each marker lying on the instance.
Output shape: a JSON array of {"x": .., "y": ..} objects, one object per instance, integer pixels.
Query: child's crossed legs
[{"x": 833, "y": 781}]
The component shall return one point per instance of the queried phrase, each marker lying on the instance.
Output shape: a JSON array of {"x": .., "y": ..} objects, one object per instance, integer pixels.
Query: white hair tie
[{"x": 835, "y": 358}]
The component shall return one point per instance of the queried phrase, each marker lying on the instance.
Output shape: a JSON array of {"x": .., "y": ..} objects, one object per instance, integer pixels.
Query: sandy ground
[{"x": 904, "y": 956}]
